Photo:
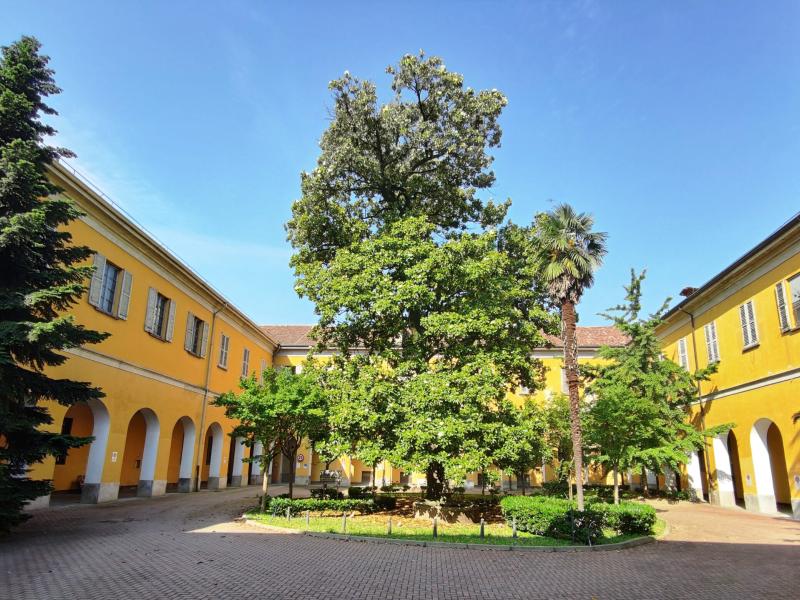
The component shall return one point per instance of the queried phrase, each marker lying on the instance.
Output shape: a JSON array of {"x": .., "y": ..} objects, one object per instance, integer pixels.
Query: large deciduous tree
[
  {"x": 279, "y": 410},
  {"x": 639, "y": 399},
  {"x": 404, "y": 260},
  {"x": 41, "y": 275},
  {"x": 569, "y": 253}
]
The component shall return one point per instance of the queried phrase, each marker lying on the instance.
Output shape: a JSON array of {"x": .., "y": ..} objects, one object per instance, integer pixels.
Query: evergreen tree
[
  {"x": 41, "y": 276},
  {"x": 639, "y": 409}
]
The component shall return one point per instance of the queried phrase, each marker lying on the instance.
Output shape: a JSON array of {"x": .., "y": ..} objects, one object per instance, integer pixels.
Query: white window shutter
[
  {"x": 745, "y": 328},
  {"x": 125, "y": 295},
  {"x": 783, "y": 309},
  {"x": 187, "y": 341},
  {"x": 204, "y": 340},
  {"x": 683, "y": 354},
  {"x": 150, "y": 313},
  {"x": 751, "y": 320},
  {"x": 170, "y": 321},
  {"x": 715, "y": 341},
  {"x": 96, "y": 284},
  {"x": 261, "y": 371},
  {"x": 712, "y": 347}
]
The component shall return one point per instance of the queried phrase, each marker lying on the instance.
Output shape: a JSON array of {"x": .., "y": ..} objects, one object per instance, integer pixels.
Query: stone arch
[
  {"x": 769, "y": 468},
  {"x": 235, "y": 468},
  {"x": 140, "y": 454},
  {"x": 256, "y": 476},
  {"x": 212, "y": 463},
  {"x": 736, "y": 468},
  {"x": 81, "y": 470},
  {"x": 724, "y": 494},
  {"x": 179, "y": 470}
]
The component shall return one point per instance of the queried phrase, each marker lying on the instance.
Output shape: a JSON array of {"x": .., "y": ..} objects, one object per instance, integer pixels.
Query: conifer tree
[{"x": 41, "y": 275}]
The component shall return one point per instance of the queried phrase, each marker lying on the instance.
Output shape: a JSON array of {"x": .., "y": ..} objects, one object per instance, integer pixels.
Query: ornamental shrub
[
  {"x": 327, "y": 493},
  {"x": 297, "y": 506},
  {"x": 359, "y": 492},
  {"x": 629, "y": 517},
  {"x": 558, "y": 487},
  {"x": 385, "y": 502}
]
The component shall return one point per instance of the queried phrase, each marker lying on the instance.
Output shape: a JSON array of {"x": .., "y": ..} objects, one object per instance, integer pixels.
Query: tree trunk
[
  {"x": 265, "y": 483},
  {"x": 616, "y": 485},
  {"x": 645, "y": 491},
  {"x": 571, "y": 365},
  {"x": 434, "y": 478},
  {"x": 292, "y": 469},
  {"x": 374, "y": 478}
]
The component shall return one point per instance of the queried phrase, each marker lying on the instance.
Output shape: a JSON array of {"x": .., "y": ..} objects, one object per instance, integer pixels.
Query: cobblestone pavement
[{"x": 188, "y": 546}]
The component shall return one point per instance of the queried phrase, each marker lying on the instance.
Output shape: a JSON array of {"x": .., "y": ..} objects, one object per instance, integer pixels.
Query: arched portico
[
  {"x": 94, "y": 489},
  {"x": 724, "y": 494},
  {"x": 212, "y": 466},
  {"x": 140, "y": 454},
  {"x": 237, "y": 452},
  {"x": 256, "y": 476},
  {"x": 769, "y": 469},
  {"x": 179, "y": 471}
]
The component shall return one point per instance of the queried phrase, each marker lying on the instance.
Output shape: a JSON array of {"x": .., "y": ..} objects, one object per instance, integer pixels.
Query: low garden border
[{"x": 640, "y": 541}]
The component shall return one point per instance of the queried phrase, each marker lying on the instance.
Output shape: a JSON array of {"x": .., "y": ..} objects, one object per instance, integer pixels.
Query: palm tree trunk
[{"x": 568, "y": 319}]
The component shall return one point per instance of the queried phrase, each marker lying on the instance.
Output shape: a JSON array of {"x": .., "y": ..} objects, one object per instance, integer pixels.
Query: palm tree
[{"x": 569, "y": 253}]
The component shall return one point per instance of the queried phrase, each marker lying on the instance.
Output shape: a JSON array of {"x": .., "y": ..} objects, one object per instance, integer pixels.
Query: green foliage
[
  {"x": 327, "y": 494},
  {"x": 385, "y": 502},
  {"x": 279, "y": 411},
  {"x": 638, "y": 416},
  {"x": 558, "y": 517},
  {"x": 559, "y": 488},
  {"x": 553, "y": 517},
  {"x": 628, "y": 517},
  {"x": 278, "y": 506},
  {"x": 404, "y": 260},
  {"x": 41, "y": 275},
  {"x": 523, "y": 443},
  {"x": 359, "y": 492}
]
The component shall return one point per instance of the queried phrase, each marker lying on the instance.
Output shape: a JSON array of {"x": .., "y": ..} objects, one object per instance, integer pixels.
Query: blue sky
[{"x": 676, "y": 124}]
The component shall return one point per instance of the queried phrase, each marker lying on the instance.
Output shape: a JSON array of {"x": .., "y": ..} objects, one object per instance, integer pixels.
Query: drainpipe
[
  {"x": 202, "y": 432},
  {"x": 702, "y": 406}
]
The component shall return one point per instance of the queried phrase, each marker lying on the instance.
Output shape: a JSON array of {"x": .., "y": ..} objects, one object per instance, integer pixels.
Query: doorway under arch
[
  {"x": 81, "y": 470},
  {"x": 769, "y": 469},
  {"x": 736, "y": 469},
  {"x": 181, "y": 453},
  {"x": 210, "y": 474},
  {"x": 140, "y": 454}
]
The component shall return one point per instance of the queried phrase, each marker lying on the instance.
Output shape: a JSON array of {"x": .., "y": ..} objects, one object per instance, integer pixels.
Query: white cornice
[{"x": 751, "y": 385}]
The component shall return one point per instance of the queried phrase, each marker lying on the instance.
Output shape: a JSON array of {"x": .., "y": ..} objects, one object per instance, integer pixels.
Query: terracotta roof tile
[{"x": 289, "y": 335}]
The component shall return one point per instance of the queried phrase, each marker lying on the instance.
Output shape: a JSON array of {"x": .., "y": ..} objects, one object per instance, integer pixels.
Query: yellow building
[
  {"x": 294, "y": 345},
  {"x": 175, "y": 344},
  {"x": 747, "y": 320}
]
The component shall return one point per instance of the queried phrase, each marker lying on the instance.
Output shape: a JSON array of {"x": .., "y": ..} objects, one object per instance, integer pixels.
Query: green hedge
[
  {"x": 297, "y": 506},
  {"x": 559, "y": 518}
]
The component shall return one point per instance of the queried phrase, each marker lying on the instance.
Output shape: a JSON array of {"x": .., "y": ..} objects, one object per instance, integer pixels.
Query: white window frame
[
  {"x": 794, "y": 305},
  {"x": 683, "y": 353},
  {"x": 749, "y": 324},
  {"x": 261, "y": 371},
  {"x": 165, "y": 331},
  {"x": 712, "y": 342},
  {"x": 121, "y": 294},
  {"x": 196, "y": 339}
]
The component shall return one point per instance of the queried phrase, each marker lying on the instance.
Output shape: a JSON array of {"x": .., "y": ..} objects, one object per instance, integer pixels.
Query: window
[
  {"x": 224, "y": 346},
  {"x": 261, "y": 371},
  {"x": 683, "y": 353},
  {"x": 794, "y": 290},
  {"x": 196, "y": 338},
  {"x": 245, "y": 362},
  {"x": 110, "y": 288},
  {"x": 783, "y": 308},
  {"x": 747, "y": 317},
  {"x": 712, "y": 346},
  {"x": 209, "y": 448},
  {"x": 159, "y": 318}
]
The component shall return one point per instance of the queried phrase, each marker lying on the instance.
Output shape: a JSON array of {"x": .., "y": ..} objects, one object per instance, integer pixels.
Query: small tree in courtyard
[
  {"x": 639, "y": 412},
  {"x": 523, "y": 445},
  {"x": 279, "y": 412},
  {"x": 41, "y": 275}
]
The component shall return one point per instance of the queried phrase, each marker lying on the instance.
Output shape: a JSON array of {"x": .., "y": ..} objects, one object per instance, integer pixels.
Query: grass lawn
[{"x": 422, "y": 530}]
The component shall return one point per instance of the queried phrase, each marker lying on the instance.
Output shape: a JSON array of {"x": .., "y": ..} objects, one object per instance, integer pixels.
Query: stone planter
[{"x": 447, "y": 514}]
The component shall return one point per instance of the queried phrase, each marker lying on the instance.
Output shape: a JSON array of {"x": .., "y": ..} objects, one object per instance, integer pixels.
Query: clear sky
[{"x": 677, "y": 124}]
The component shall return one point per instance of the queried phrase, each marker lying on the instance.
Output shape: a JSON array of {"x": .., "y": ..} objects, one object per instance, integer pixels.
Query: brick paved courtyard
[{"x": 182, "y": 546}]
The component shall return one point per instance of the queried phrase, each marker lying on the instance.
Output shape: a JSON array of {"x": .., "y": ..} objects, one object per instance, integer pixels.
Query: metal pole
[
  {"x": 435, "y": 527},
  {"x": 344, "y": 522},
  {"x": 514, "y": 527},
  {"x": 389, "y": 530},
  {"x": 288, "y": 513},
  {"x": 482, "y": 526}
]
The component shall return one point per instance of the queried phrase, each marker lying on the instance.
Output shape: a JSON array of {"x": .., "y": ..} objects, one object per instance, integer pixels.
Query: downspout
[
  {"x": 702, "y": 406},
  {"x": 202, "y": 432}
]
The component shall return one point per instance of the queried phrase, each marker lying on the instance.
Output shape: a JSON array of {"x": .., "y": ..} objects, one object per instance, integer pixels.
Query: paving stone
[{"x": 187, "y": 546}]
